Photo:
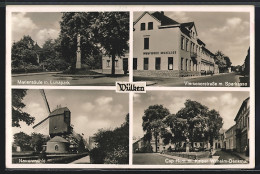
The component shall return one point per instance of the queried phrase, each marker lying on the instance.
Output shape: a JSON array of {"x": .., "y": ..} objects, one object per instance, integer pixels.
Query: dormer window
[
  {"x": 150, "y": 25},
  {"x": 142, "y": 26}
]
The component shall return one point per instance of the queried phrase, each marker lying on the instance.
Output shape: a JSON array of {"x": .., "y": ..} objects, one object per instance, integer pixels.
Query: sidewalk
[
  {"x": 242, "y": 155},
  {"x": 40, "y": 73},
  {"x": 83, "y": 160}
]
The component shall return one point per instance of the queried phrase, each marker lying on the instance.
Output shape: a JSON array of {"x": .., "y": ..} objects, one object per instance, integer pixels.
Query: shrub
[
  {"x": 97, "y": 156},
  {"x": 118, "y": 156}
]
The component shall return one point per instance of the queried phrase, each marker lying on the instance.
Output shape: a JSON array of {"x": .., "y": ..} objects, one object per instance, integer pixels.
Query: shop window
[
  {"x": 135, "y": 64},
  {"x": 108, "y": 61},
  {"x": 150, "y": 25},
  {"x": 142, "y": 26},
  {"x": 146, "y": 63},
  {"x": 157, "y": 63},
  {"x": 146, "y": 43},
  {"x": 170, "y": 63},
  {"x": 182, "y": 42},
  {"x": 182, "y": 63}
]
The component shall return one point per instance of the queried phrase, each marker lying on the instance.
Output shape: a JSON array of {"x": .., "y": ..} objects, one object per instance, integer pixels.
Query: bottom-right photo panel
[{"x": 191, "y": 128}]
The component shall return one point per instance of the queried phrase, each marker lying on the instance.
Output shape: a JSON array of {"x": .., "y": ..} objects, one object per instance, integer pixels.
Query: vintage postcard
[{"x": 130, "y": 87}]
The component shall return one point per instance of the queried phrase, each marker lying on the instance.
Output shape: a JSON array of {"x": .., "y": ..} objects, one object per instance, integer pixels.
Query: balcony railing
[{"x": 193, "y": 55}]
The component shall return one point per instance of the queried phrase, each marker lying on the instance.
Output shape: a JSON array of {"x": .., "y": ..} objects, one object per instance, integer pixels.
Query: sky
[
  {"x": 225, "y": 31},
  {"x": 226, "y": 103},
  {"x": 90, "y": 110},
  {"x": 39, "y": 25}
]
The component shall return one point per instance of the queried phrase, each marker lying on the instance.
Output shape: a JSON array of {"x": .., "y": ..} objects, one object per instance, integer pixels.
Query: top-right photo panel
[{"x": 192, "y": 49}]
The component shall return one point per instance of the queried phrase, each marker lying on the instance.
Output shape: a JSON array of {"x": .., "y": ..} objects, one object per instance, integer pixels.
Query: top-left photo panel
[{"x": 69, "y": 48}]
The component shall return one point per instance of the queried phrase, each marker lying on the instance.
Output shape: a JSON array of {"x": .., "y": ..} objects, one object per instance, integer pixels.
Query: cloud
[
  {"x": 22, "y": 25},
  {"x": 177, "y": 104},
  {"x": 228, "y": 99},
  {"x": 234, "y": 21},
  {"x": 212, "y": 99},
  {"x": 104, "y": 100},
  {"x": 87, "y": 106},
  {"x": 46, "y": 33}
]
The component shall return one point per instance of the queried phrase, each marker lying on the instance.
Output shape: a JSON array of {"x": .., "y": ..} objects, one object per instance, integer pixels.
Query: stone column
[{"x": 78, "y": 63}]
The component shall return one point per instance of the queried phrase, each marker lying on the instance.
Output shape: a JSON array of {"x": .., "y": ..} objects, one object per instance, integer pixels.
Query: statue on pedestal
[{"x": 78, "y": 63}]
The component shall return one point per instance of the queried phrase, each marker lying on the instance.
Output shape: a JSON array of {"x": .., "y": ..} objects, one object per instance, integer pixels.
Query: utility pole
[{"x": 78, "y": 63}]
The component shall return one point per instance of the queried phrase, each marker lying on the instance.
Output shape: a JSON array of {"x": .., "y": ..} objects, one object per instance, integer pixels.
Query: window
[
  {"x": 142, "y": 26},
  {"x": 146, "y": 43},
  {"x": 182, "y": 63},
  {"x": 157, "y": 63},
  {"x": 170, "y": 63},
  {"x": 116, "y": 63},
  {"x": 135, "y": 64},
  {"x": 56, "y": 147},
  {"x": 187, "y": 42},
  {"x": 186, "y": 67},
  {"x": 146, "y": 63},
  {"x": 190, "y": 65},
  {"x": 150, "y": 25},
  {"x": 182, "y": 42},
  {"x": 108, "y": 63}
]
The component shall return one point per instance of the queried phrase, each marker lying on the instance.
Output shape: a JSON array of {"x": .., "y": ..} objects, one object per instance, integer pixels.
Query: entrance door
[{"x": 125, "y": 65}]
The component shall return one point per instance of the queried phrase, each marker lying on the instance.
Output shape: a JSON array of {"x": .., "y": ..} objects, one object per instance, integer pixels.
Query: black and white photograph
[
  {"x": 69, "y": 127},
  {"x": 191, "y": 128},
  {"x": 192, "y": 49},
  {"x": 69, "y": 48}
]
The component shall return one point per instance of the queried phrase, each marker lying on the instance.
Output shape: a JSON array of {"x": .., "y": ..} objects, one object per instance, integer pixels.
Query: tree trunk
[{"x": 113, "y": 64}]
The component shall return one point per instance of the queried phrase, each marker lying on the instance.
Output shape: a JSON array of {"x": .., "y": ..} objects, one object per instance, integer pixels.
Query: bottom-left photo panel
[{"x": 65, "y": 126}]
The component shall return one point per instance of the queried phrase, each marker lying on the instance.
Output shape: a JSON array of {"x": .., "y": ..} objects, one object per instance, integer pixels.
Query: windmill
[{"x": 57, "y": 122}]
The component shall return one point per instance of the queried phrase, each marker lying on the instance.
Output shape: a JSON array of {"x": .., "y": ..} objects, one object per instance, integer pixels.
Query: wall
[
  {"x": 62, "y": 147},
  {"x": 58, "y": 123}
]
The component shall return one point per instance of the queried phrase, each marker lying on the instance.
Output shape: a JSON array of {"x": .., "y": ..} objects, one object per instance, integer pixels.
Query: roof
[
  {"x": 165, "y": 20},
  {"x": 58, "y": 139},
  {"x": 36, "y": 47},
  {"x": 241, "y": 107},
  {"x": 59, "y": 111},
  {"x": 222, "y": 131},
  {"x": 53, "y": 113},
  {"x": 188, "y": 25}
]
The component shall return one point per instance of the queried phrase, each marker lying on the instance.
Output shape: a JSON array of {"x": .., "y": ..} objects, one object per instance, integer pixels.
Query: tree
[
  {"x": 50, "y": 55},
  {"x": 195, "y": 122},
  {"x": 17, "y": 106},
  {"x": 112, "y": 145},
  {"x": 81, "y": 146},
  {"x": 72, "y": 24},
  {"x": 23, "y": 140},
  {"x": 111, "y": 30},
  {"x": 103, "y": 32},
  {"x": 222, "y": 61},
  {"x": 23, "y": 53},
  {"x": 37, "y": 141},
  {"x": 153, "y": 123}
]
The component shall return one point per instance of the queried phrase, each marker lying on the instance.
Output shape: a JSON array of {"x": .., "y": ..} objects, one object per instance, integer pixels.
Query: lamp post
[{"x": 78, "y": 63}]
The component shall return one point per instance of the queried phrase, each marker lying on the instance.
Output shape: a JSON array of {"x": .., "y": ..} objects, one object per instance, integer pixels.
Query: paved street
[
  {"x": 148, "y": 158},
  {"x": 229, "y": 158},
  {"x": 53, "y": 79},
  {"x": 202, "y": 81}
]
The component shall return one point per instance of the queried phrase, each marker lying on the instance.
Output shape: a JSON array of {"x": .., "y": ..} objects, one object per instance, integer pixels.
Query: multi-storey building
[
  {"x": 231, "y": 138},
  {"x": 164, "y": 47},
  {"x": 242, "y": 127}
]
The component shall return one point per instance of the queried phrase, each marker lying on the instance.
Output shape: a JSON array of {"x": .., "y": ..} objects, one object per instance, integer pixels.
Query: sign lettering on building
[{"x": 159, "y": 52}]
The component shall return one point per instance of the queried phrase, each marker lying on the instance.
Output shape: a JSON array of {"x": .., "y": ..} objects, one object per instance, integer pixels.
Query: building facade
[
  {"x": 231, "y": 138},
  {"x": 242, "y": 127},
  {"x": 164, "y": 47},
  {"x": 121, "y": 64},
  {"x": 220, "y": 141}
]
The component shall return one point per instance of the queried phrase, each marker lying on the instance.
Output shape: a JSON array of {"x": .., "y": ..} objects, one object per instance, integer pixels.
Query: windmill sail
[
  {"x": 45, "y": 101},
  {"x": 43, "y": 126}
]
